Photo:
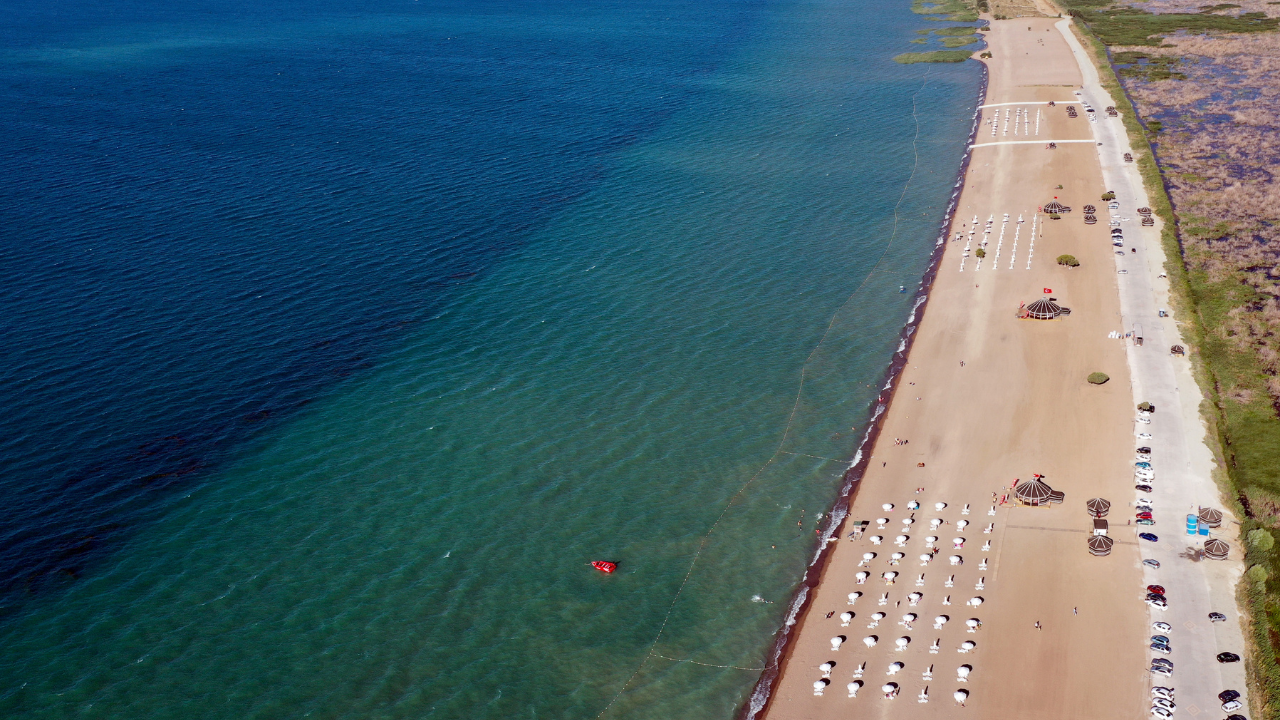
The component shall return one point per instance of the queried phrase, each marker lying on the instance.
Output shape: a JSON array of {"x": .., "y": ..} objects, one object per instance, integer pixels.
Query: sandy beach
[{"x": 987, "y": 398}]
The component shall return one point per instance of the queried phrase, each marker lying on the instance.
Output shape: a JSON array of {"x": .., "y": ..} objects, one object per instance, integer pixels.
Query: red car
[
  {"x": 1157, "y": 589},
  {"x": 1144, "y": 516}
]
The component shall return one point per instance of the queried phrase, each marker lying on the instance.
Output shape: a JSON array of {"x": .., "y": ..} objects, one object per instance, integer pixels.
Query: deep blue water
[{"x": 337, "y": 337}]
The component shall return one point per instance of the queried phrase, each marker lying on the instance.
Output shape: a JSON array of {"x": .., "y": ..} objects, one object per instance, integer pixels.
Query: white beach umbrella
[
  {"x": 962, "y": 524},
  {"x": 826, "y": 668},
  {"x": 886, "y": 507},
  {"x": 975, "y": 601},
  {"x": 902, "y": 642},
  {"x": 836, "y": 642},
  {"x": 939, "y": 506},
  {"x": 876, "y": 539},
  {"x": 957, "y": 543},
  {"x": 882, "y": 521},
  {"x": 960, "y": 696},
  {"x": 914, "y": 598},
  {"x": 894, "y": 668},
  {"x": 956, "y": 560},
  {"x": 868, "y": 556},
  {"x": 854, "y": 687},
  {"x": 962, "y": 672},
  {"x": 967, "y": 645},
  {"x": 845, "y": 618},
  {"x": 939, "y": 621},
  {"x": 901, "y": 540},
  {"x": 896, "y": 557},
  {"x": 819, "y": 686},
  {"x": 925, "y": 558},
  {"x": 972, "y": 624},
  {"x": 889, "y": 689},
  {"x": 860, "y": 577},
  {"x": 853, "y": 597},
  {"x": 870, "y": 641},
  {"x": 913, "y": 505}
]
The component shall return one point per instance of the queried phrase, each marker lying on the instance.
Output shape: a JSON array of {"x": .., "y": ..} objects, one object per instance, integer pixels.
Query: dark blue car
[{"x": 1149, "y": 537}]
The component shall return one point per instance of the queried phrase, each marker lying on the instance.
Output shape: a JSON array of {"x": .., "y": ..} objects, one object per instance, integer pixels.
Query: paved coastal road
[{"x": 1183, "y": 462}]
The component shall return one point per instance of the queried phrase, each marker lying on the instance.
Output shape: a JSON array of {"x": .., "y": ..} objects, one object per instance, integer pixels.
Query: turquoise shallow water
[{"x": 661, "y": 362}]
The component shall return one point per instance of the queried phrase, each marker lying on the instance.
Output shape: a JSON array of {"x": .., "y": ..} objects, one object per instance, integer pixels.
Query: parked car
[
  {"x": 1163, "y": 692},
  {"x": 1156, "y": 596},
  {"x": 1228, "y": 695},
  {"x": 1161, "y": 670},
  {"x": 1158, "y": 603},
  {"x": 1161, "y": 648},
  {"x": 1143, "y": 508},
  {"x": 1157, "y": 589},
  {"x": 1142, "y": 488},
  {"x": 1145, "y": 457},
  {"x": 1161, "y": 713},
  {"x": 1237, "y": 717},
  {"x": 1163, "y": 663},
  {"x": 1152, "y": 563},
  {"x": 1165, "y": 703},
  {"x": 1143, "y": 464},
  {"x": 1142, "y": 515},
  {"x": 1217, "y": 617},
  {"x": 1144, "y": 521},
  {"x": 1126, "y": 272},
  {"x": 1163, "y": 627},
  {"x": 1114, "y": 206},
  {"x": 1228, "y": 657},
  {"x": 1144, "y": 436},
  {"x": 1151, "y": 537},
  {"x": 1144, "y": 450},
  {"x": 1232, "y": 705}
]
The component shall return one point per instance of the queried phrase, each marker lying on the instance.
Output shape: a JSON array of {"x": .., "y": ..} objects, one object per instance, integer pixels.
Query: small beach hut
[
  {"x": 1100, "y": 526},
  {"x": 1090, "y": 209},
  {"x": 1144, "y": 211},
  {"x": 1090, "y": 219},
  {"x": 1177, "y": 350},
  {"x": 1054, "y": 207},
  {"x": 1210, "y": 517},
  {"x": 1148, "y": 221},
  {"x": 1216, "y": 549},
  {"x": 1098, "y": 507},
  {"x": 1043, "y": 309},
  {"x": 1100, "y": 545},
  {"x": 1033, "y": 492}
]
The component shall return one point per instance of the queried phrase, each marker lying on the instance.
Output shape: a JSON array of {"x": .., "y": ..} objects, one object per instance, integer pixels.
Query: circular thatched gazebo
[
  {"x": 1043, "y": 309},
  {"x": 1090, "y": 209},
  {"x": 1098, "y": 507},
  {"x": 1100, "y": 545},
  {"x": 1216, "y": 549},
  {"x": 1054, "y": 207},
  {"x": 1210, "y": 517},
  {"x": 1090, "y": 219},
  {"x": 1033, "y": 492},
  {"x": 1144, "y": 211}
]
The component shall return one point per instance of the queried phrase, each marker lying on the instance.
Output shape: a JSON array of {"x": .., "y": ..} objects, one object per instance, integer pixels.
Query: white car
[
  {"x": 1163, "y": 627},
  {"x": 1146, "y": 501},
  {"x": 1124, "y": 272},
  {"x": 1158, "y": 604},
  {"x": 1162, "y": 692},
  {"x": 1232, "y": 705},
  {"x": 1145, "y": 475},
  {"x": 1144, "y": 436},
  {"x": 1164, "y": 703},
  {"x": 1144, "y": 457},
  {"x": 1141, "y": 418},
  {"x": 1161, "y": 713},
  {"x": 1161, "y": 670}
]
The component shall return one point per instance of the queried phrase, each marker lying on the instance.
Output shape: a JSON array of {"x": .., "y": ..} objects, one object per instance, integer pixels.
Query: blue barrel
[{"x": 1193, "y": 524}]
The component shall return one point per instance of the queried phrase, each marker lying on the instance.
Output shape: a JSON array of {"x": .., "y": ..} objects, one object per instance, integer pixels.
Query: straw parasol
[
  {"x": 1211, "y": 517},
  {"x": 1043, "y": 309},
  {"x": 1056, "y": 207},
  {"x": 1100, "y": 545},
  {"x": 1098, "y": 507},
  {"x": 1033, "y": 492},
  {"x": 1090, "y": 219},
  {"x": 1144, "y": 211},
  {"x": 1090, "y": 209},
  {"x": 1215, "y": 549}
]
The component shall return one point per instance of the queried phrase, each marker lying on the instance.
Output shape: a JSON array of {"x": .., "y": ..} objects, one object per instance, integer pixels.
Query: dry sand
[{"x": 1019, "y": 405}]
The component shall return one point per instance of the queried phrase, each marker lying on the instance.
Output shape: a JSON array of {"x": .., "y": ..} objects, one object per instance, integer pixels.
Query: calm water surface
[{"x": 340, "y": 336}]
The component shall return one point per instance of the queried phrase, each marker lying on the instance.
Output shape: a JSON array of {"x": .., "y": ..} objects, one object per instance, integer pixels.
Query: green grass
[
  {"x": 957, "y": 30},
  {"x": 946, "y": 10},
  {"x": 937, "y": 56},
  {"x": 1155, "y": 67},
  {"x": 955, "y": 42},
  {"x": 1244, "y": 426},
  {"x": 1125, "y": 25},
  {"x": 1216, "y": 8}
]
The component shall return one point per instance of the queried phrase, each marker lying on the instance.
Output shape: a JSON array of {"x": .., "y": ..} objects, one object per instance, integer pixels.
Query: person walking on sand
[{"x": 1038, "y": 625}]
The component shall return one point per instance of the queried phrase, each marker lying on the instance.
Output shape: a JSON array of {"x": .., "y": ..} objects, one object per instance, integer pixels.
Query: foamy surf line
[{"x": 761, "y": 694}]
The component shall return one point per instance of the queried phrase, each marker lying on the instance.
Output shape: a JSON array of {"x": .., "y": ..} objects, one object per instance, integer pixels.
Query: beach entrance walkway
[{"x": 987, "y": 398}]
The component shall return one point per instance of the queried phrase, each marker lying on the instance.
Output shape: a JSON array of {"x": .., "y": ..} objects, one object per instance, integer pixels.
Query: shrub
[
  {"x": 1145, "y": 406},
  {"x": 1259, "y": 541},
  {"x": 1068, "y": 260},
  {"x": 1108, "y": 196},
  {"x": 937, "y": 56},
  {"x": 1055, "y": 216},
  {"x": 1098, "y": 378},
  {"x": 981, "y": 253},
  {"x": 1257, "y": 574}
]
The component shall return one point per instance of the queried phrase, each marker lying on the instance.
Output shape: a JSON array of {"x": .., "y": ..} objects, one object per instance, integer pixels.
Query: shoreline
[{"x": 800, "y": 601}]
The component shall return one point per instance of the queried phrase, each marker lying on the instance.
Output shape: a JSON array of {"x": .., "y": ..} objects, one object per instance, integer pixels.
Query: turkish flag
[{"x": 1047, "y": 291}]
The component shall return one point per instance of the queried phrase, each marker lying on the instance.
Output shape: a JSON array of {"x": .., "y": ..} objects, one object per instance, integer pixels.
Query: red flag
[{"x": 1048, "y": 291}]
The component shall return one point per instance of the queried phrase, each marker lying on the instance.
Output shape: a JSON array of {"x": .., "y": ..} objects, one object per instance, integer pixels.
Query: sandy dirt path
[{"x": 986, "y": 398}]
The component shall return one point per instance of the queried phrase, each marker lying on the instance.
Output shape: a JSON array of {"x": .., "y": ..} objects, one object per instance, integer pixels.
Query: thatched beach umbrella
[
  {"x": 1144, "y": 211},
  {"x": 1215, "y": 549},
  {"x": 1043, "y": 309},
  {"x": 1210, "y": 517},
  {"x": 1056, "y": 207},
  {"x": 1098, "y": 507},
  {"x": 1033, "y": 492},
  {"x": 1090, "y": 219},
  {"x": 1090, "y": 209},
  {"x": 1100, "y": 545}
]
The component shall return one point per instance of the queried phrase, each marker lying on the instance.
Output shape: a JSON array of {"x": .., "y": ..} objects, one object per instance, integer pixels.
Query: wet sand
[{"x": 1018, "y": 405}]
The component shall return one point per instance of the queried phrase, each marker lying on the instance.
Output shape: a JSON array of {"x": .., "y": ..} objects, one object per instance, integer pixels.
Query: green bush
[
  {"x": 1259, "y": 541},
  {"x": 1257, "y": 574},
  {"x": 1098, "y": 378},
  {"x": 981, "y": 253},
  {"x": 1108, "y": 196},
  {"x": 1068, "y": 260},
  {"x": 1145, "y": 406}
]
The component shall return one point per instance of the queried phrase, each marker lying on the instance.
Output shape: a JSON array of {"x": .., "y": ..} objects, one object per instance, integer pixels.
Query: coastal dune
[{"x": 986, "y": 398}]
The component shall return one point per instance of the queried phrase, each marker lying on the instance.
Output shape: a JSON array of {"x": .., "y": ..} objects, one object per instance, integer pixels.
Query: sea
[{"x": 340, "y": 337}]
